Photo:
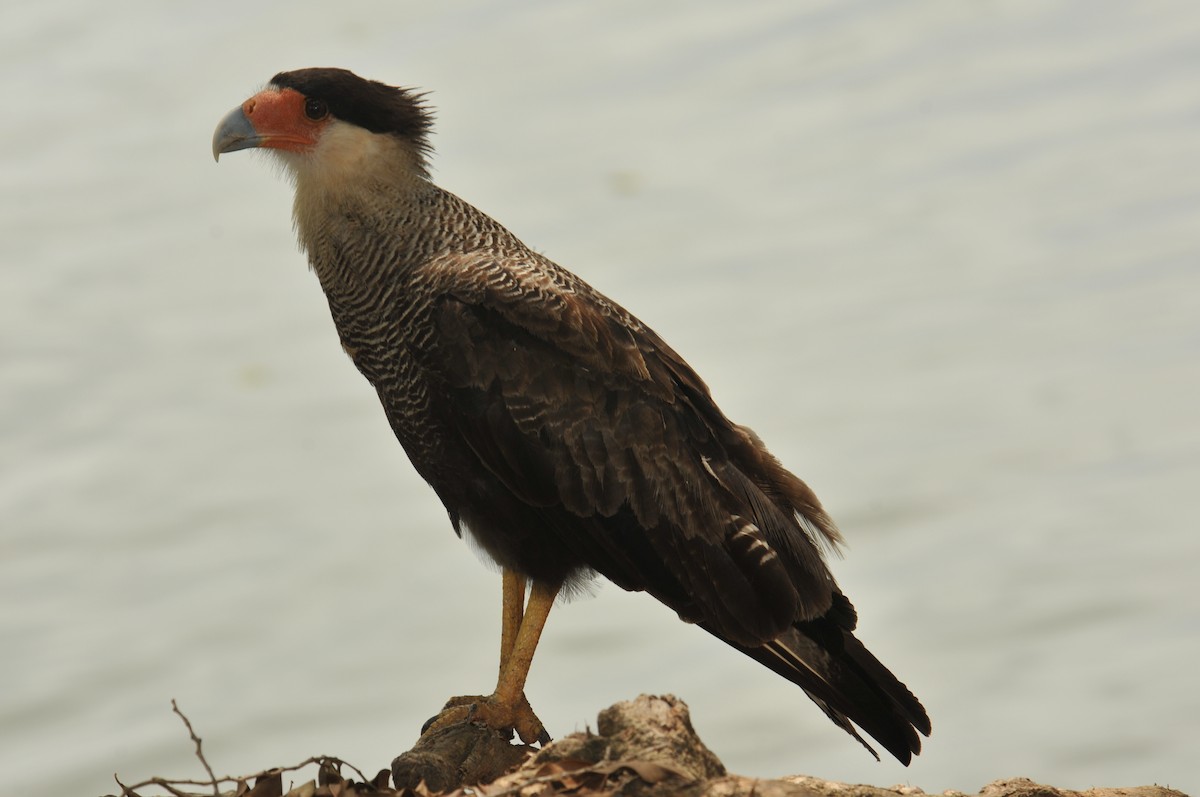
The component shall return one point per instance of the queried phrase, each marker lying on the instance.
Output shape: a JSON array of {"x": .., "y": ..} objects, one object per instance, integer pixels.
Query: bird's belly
[{"x": 531, "y": 540}]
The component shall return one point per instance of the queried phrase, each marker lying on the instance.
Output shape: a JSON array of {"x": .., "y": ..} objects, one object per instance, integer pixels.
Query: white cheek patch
[
  {"x": 343, "y": 156},
  {"x": 345, "y": 152}
]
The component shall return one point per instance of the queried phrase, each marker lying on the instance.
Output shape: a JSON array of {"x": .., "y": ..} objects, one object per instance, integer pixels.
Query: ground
[{"x": 641, "y": 748}]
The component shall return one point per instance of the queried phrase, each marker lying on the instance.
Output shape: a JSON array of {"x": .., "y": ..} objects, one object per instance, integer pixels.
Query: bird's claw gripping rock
[{"x": 491, "y": 712}]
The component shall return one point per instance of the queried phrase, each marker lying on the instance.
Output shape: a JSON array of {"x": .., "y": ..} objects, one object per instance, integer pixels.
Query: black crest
[{"x": 369, "y": 104}]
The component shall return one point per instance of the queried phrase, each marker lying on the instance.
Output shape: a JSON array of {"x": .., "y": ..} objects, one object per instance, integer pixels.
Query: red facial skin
[{"x": 280, "y": 122}]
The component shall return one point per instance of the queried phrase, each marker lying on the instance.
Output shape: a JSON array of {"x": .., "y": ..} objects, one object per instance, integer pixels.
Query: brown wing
[
  {"x": 570, "y": 402},
  {"x": 588, "y": 417}
]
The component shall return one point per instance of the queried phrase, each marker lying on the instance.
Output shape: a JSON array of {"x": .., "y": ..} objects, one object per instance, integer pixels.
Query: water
[{"x": 941, "y": 256}]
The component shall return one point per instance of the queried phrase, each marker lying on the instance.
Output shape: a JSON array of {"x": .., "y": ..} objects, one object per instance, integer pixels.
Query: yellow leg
[
  {"x": 521, "y": 628},
  {"x": 510, "y": 687},
  {"x": 512, "y": 612}
]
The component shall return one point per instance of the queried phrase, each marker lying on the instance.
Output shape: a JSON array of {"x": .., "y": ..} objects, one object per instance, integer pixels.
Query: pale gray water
[{"x": 942, "y": 256}]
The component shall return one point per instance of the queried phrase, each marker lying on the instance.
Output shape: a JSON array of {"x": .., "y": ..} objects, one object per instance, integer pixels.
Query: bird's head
[{"x": 326, "y": 122}]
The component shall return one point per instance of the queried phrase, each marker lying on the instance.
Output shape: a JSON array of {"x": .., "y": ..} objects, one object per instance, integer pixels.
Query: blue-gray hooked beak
[
  {"x": 273, "y": 118},
  {"x": 233, "y": 133}
]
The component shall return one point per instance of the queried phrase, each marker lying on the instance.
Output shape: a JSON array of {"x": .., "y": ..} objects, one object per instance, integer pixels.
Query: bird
[{"x": 559, "y": 431}]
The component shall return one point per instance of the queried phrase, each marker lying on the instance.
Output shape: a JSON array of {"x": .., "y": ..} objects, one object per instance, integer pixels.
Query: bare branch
[{"x": 199, "y": 752}]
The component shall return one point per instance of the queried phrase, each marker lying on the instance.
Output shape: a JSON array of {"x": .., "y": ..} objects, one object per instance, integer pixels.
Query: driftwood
[{"x": 641, "y": 748}]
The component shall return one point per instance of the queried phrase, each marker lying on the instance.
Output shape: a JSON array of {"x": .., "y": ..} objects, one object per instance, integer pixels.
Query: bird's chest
[
  {"x": 384, "y": 336},
  {"x": 372, "y": 305},
  {"x": 382, "y": 292}
]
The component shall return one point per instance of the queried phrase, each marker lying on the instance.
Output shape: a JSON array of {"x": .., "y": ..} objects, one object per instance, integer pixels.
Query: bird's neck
[{"x": 364, "y": 232}]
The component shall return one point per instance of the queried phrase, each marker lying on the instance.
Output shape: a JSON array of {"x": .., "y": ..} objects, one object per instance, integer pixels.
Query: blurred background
[{"x": 941, "y": 256}]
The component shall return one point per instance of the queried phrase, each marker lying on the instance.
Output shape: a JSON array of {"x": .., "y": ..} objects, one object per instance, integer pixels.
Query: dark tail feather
[{"x": 848, "y": 684}]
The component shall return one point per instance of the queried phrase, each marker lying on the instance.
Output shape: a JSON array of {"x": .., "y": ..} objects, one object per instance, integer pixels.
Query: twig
[
  {"x": 169, "y": 786},
  {"x": 172, "y": 784},
  {"x": 325, "y": 759},
  {"x": 199, "y": 752}
]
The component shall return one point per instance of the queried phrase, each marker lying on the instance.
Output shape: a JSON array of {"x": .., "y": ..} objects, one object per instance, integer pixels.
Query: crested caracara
[{"x": 558, "y": 430}]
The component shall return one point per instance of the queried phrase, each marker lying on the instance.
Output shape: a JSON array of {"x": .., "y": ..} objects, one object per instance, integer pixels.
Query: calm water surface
[{"x": 942, "y": 257}]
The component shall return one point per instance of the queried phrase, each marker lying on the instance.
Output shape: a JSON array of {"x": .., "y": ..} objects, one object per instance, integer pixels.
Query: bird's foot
[{"x": 491, "y": 711}]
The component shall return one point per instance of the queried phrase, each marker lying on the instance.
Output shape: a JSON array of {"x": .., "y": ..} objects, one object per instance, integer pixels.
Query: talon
[
  {"x": 428, "y": 723},
  {"x": 502, "y": 718},
  {"x": 456, "y": 711},
  {"x": 527, "y": 725}
]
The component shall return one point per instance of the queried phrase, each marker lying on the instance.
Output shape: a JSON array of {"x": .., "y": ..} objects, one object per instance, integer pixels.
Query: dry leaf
[
  {"x": 267, "y": 785},
  {"x": 304, "y": 790}
]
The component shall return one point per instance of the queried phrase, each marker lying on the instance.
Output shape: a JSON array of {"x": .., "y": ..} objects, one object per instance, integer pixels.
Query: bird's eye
[{"x": 315, "y": 109}]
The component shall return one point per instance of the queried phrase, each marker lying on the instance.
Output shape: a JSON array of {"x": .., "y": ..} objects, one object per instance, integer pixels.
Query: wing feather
[
  {"x": 573, "y": 402},
  {"x": 615, "y": 447}
]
